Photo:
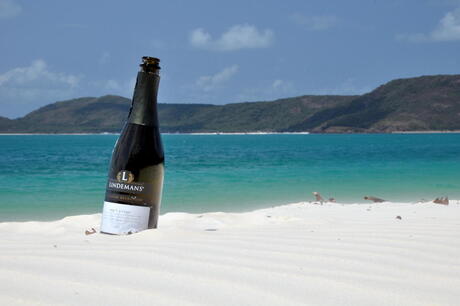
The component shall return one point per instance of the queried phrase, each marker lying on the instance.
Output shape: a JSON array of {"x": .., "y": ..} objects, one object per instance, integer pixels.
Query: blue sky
[{"x": 219, "y": 51}]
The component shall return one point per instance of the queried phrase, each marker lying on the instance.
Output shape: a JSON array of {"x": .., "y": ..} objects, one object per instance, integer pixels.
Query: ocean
[{"x": 47, "y": 177}]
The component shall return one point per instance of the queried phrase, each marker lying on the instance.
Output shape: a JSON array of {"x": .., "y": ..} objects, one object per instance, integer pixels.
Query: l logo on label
[{"x": 125, "y": 176}]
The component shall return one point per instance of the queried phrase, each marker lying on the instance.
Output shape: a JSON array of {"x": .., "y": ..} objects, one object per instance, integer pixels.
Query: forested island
[{"x": 426, "y": 103}]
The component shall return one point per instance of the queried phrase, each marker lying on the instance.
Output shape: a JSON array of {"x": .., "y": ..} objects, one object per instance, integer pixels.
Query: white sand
[{"x": 298, "y": 254}]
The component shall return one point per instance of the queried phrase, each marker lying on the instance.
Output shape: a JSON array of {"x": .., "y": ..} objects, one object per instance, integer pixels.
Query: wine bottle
[{"x": 135, "y": 179}]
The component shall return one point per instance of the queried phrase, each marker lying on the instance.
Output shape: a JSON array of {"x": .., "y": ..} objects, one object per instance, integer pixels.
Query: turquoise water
[{"x": 45, "y": 177}]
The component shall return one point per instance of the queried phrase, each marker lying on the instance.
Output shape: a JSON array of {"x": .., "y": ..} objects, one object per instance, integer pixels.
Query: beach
[{"x": 296, "y": 254}]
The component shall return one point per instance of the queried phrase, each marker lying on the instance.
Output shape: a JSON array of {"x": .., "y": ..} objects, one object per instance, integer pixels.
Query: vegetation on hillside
[{"x": 422, "y": 103}]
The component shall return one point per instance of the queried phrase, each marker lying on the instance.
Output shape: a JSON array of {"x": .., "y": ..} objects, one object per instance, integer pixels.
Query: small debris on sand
[
  {"x": 318, "y": 197},
  {"x": 374, "y": 199},
  {"x": 441, "y": 200},
  {"x": 90, "y": 232},
  {"x": 398, "y": 217}
]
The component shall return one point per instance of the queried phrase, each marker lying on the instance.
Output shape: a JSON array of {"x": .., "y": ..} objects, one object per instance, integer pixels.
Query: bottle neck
[{"x": 144, "y": 105}]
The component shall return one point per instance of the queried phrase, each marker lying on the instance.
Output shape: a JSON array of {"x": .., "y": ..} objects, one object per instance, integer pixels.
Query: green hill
[
  {"x": 5, "y": 123},
  {"x": 107, "y": 114},
  {"x": 422, "y": 103},
  {"x": 272, "y": 116}
]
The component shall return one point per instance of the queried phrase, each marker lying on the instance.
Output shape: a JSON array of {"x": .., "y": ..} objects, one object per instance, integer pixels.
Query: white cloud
[
  {"x": 448, "y": 29},
  {"x": 237, "y": 37},
  {"x": 210, "y": 82},
  {"x": 36, "y": 72},
  {"x": 281, "y": 86},
  {"x": 9, "y": 9},
  {"x": 199, "y": 38},
  {"x": 25, "y": 88},
  {"x": 315, "y": 23}
]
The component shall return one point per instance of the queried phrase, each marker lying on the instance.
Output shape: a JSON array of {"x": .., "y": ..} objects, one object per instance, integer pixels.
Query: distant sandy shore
[
  {"x": 427, "y": 132},
  {"x": 297, "y": 254},
  {"x": 217, "y": 133},
  {"x": 242, "y": 133},
  {"x": 19, "y": 134}
]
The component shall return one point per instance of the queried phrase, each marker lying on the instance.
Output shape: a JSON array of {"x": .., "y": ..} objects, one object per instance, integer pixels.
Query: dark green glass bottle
[{"x": 135, "y": 180}]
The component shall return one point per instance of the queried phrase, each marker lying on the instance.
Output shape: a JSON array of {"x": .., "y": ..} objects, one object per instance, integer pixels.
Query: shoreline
[
  {"x": 452, "y": 202},
  {"x": 244, "y": 133},
  {"x": 427, "y": 132},
  {"x": 210, "y": 133}
]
